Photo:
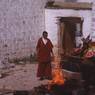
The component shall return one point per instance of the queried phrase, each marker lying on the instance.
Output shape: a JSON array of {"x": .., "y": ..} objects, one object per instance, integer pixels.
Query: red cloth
[
  {"x": 44, "y": 58},
  {"x": 44, "y": 70},
  {"x": 44, "y": 51}
]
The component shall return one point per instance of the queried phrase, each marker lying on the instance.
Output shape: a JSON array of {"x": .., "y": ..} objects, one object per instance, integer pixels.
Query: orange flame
[{"x": 58, "y": 77}]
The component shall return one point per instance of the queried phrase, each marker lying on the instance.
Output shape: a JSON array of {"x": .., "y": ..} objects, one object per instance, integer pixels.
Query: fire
[{"x": 58, "y": 77}]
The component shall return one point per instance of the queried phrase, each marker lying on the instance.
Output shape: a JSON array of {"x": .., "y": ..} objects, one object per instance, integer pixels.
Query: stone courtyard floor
[{"x": 21, "y": 77}]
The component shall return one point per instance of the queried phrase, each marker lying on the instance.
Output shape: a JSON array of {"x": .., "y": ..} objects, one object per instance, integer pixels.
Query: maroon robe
[{"x": 44, "y": 58}]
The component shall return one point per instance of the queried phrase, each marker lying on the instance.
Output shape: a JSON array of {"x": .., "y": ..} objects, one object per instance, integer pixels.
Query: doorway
[{"x": 70, "y": 30}]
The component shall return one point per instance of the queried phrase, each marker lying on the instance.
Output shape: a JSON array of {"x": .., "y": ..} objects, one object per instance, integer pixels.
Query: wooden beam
[{"x": 70, "y": 5}]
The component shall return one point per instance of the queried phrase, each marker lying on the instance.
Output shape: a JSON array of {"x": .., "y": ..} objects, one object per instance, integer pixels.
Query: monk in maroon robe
[{"x": 44, "y": 55}]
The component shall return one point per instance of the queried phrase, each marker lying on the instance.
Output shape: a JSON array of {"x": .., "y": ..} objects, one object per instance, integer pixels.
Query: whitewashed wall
[
  {"x": 93, "y": 22},
  {"x": 76, "y": 0},
  {"x": 51, "y": 21},
  {"x": 21, "y": 24}
]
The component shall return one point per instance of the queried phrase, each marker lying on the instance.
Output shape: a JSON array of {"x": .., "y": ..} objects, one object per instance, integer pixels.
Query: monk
[{"x": 44, "y": 54}]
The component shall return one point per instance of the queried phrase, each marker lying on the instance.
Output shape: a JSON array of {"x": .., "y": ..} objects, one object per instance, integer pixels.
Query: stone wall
[
  {"x": 93, "y": 21},
  {"x": 75, "y": 0},
  {"x": 21, "y": 23},
  {"x": 52, "y": 26}
]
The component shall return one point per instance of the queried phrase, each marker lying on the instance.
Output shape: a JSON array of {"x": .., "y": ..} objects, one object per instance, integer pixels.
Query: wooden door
[{"x": 68, "y": 33}]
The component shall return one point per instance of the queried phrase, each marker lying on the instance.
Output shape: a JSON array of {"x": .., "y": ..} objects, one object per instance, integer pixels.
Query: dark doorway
[{"x": 70, "y": 29}]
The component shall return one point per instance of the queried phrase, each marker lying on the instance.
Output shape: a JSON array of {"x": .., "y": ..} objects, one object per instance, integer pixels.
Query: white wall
[
  {"x": 75, "y": 0},
  {"x": 85, "y": 1},
  {"x": 21, "y": 24},
  {"x": 51, "y": 20}
]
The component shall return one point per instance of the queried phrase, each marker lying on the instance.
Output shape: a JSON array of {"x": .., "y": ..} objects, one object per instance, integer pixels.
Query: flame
[{"x": 58, "y": 77}]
